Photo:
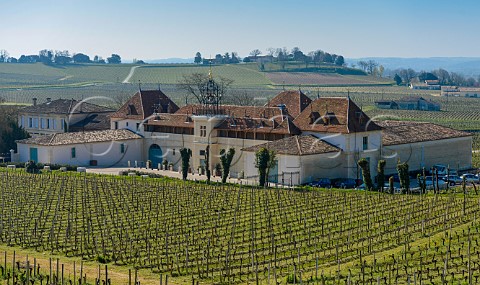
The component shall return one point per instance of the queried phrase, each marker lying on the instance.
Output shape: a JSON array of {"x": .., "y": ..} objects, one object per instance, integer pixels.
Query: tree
[
  {"x": 255, "y": 53},
  {"x": 62, "y": 57},
  {"x": 318, "y": 56},
  {"x": 198, "y": 58},
  {"x": 207, "y": 163},
  {"x": 363, "y": 65},
  {"x": 262, "y": 157},
  {"x": 407, "y": 75},
  {"x": 442, "y": 75},
  {"x": 240, "y": 98},
  {"x": 235, "y": 58},
  {"x": 381, "y": 70},
  {"x": 327, "y": 58},
  {"x": 226, "y": 160},
  {"x": 114, "y": 59},
  {"x": 381, "y": 174},
  {"x": 81, "y": 58},
  {"x": 186, "y": 153},
  {"x": 371, "y": 65},
  {"x": 340, "y": 61},
  {"x": 10, "y": 131},
  {"x": 402, "y": 169},
  {"x": 193, "y": 83},
  {"x": 297, "y": 54},
  {"x": 367, "y": 178},
  {"x": 397, "y": 79},
  {"x": 46, "y": 56},
  {"x": 271, "y": 162},
  {"x": 3, "y": 55}
]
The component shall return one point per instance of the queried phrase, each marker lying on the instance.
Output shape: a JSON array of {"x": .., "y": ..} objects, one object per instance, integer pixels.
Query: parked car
[
  {"x": 322, "y": 182},
  {"x": 363, "y": 187},
  {"x": 443, "y": 170},
  {"x": 344, "y": 183},
  {"x": 429, "y": 183},
  {"x": 452, "y": 179},
  {"x": 470, "y": 178}
]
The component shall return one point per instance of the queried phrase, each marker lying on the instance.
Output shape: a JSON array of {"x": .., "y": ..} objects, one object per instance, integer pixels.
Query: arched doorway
[{"x": 155, "y": 155}]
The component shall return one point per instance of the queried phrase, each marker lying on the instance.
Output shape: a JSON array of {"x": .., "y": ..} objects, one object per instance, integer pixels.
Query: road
[{"x": 130, "y": 74}]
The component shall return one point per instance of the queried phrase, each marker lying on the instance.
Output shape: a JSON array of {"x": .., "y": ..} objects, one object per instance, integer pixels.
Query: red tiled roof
[
  {"x": 404, "y": 132},
  {"x": 294, "y": 101},
  {"x": 334, "y": 115},
  {"x": 296, "y": 145},
  {"x": 171, "y": 120},
  {"x": 144, "y": 103}
]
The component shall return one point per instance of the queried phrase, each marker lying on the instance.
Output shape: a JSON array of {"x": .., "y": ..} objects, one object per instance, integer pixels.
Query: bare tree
[
  {"x": 3, "y": 55},
  {"x": 371, "y": 65},
  {"x": 240, "y": 98},
  {"x": 193, "y": 84},
  {"x": 255, "y": 53},
  {"x": 363, "y": 65}
]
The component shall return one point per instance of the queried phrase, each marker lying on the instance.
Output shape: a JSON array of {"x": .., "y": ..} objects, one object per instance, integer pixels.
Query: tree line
[
  {"x": 60, "y": 57},
  {"x": 279, "y": 55},
  {"x": 408, "y": 76}
]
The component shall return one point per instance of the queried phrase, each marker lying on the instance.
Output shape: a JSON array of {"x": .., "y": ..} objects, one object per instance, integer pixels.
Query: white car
[
  {"x": 429, "y": 183},
  {"x": 470, "y": 178}
]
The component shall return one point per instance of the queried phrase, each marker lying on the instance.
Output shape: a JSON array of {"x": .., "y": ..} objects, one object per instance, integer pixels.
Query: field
[
  {"x": 319, "y": 79},
  {"x": 232, "y": 235}
]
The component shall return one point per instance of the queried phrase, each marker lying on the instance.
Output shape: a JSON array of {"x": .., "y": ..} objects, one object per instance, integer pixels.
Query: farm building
[
  {"x": 409, "y": 103},
  {"x": 468, "y": 92},
  {"x": 103, "y": 148},
  {"x": 426, "y": 85},
  {"x": 321, "y": 138},
  {"x": 63, "y": 115}
]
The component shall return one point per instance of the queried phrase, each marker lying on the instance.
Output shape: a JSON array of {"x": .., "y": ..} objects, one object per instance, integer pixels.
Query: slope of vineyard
[{"x": 229, "y": 234}]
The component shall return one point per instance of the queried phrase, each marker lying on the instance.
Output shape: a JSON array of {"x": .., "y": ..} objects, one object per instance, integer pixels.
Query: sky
[{"x": 156, "y": 29}]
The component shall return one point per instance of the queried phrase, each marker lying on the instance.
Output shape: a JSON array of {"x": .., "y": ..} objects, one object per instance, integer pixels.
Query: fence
[{"x": 285, "y": 179}]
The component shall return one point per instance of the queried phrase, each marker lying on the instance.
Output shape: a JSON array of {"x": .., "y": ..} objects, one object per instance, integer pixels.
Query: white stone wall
[{"x": 107, "y": 154}]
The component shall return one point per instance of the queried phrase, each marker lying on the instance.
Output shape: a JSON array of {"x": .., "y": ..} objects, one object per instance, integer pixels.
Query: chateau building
[{"x": 321, "y": 138}]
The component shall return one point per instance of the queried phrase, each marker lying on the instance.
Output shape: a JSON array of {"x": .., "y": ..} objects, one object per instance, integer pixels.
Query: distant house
[
  {"x": 63, "y": 115},
  {"x": 409, "y": 103},
  {"x": 426, "y": 85},
  {"x": 456, "y": 91}
]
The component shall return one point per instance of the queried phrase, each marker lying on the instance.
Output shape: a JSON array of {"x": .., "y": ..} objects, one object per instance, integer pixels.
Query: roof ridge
[
  {"x": 298, "y": 145},
  {"x": 51, "y": 140},
  {"x": 348, "y": 115},
  {"x": 141, "y": 103}
]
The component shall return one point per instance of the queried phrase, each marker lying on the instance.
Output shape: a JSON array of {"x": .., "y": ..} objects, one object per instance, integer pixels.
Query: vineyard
[{"x": 194, "y": 233}]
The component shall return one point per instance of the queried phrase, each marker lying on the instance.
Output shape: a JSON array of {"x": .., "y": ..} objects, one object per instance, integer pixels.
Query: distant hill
[
  {"x": 469, "y": 66},
  {"x": 170, "y": 60}
]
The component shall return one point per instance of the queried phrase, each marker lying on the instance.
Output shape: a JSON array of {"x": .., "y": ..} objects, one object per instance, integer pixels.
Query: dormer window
[
  {"x": 313, "y": 117},
  {"x": 131, "y": 109}
]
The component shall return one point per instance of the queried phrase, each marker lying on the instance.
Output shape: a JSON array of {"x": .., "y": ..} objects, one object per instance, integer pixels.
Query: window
[
  {"x": 48, "y": 123},
  {"x": 74, "y": 152},
  {"x": 203, "y": 131},
  {"x": 122, "y": 148},
  {"x": 35, "y": 123},
  {"x": 116, "y": 125},
  {"x": 30, "y": 122},
  {"x": 173, "y": 151},
  {"x": 126, "y": 124},
  {"x": 62, "y": 123},
  {"x": 42, "y": 123},
  {"x": 138, "y": 126},
  {"x": 202, "y": 152},
  {"x": 54, "y": 121},
  {"x": 365, "y": 143}
]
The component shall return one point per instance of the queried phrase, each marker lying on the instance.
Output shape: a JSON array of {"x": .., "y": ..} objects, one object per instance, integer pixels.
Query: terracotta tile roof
[
  {"x": 297, "y": 145},
  {"x": 66, "y": 106},
  {"x": 144, "y": 103},
  {"x": 260, "y": 125},
  {"x": 334, "y": 115},
  {"x": 237, "y": 111},
  {"x": 294, "y": 101},
  {"x": 171, "y": 120},
  {"x": 82, "y": 137},
  {"x": 92, "y": 122},
  {"x": 403, "y": 132}
]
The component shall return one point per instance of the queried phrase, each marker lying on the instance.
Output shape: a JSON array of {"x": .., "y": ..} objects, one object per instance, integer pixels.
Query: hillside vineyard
[{"x": 232, "y": 234}]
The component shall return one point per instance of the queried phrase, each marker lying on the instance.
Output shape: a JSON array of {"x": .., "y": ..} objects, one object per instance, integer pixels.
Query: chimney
[
  {"x": 49, "y": 100},
  {"x": 34, "y": 101}
]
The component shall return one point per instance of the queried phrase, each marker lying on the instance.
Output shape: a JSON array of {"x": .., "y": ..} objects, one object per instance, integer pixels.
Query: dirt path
[{"x": 130, "y": 74}]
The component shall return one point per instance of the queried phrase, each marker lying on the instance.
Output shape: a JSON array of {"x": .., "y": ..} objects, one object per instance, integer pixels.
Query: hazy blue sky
[{"x": 148, "y": 29}]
